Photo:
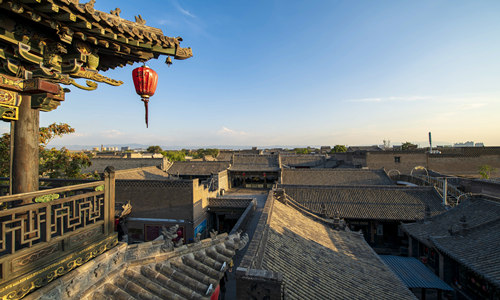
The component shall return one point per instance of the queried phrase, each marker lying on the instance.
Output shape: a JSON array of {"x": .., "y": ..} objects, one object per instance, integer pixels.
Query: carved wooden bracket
[{"x": 45, "y": 95}]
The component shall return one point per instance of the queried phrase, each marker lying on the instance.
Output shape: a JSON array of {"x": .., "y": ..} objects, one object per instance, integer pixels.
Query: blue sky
[{"x": 304, "y": 73}]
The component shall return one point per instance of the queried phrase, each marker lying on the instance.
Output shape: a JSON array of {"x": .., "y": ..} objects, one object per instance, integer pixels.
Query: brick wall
[
  {"x": 200, "y": 204},
  {"x": 157, "y": 199},
  {"x": 459, "y": 163},
  {"x": 463, "y": 165},
  {"x": 223, "y": 180},
  {"x": 258, "y": 284},
  {"x": 389, "y": 160}
]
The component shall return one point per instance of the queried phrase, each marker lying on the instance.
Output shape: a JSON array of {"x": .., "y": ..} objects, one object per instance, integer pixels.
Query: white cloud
[
  {"x": 469, "y": 106},
  {"x": 230, "y": 132},
  {"x": 112, "y": 133},
  {"x": 182, "y": 10},
  {"x": 389, "y": 99}
]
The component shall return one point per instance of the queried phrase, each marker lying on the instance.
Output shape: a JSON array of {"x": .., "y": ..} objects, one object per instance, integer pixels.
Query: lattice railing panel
[
  {"x": 76, "y": 213},
  {"x": 25, "y": 223}
]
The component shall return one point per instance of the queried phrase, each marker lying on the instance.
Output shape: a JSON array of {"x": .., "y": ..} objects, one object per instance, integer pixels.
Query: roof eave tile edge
[
  {"x": 442, "y": 249},
  {"x": 257, "y": 244}
]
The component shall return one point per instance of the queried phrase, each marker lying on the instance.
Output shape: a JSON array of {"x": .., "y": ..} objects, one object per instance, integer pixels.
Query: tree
[
  {"x": 174, "y": 155},
  {"x": 53, "y": 163},
  {"x": 339, "y": 148},
  {"x": 485, "y": 171},
  {"x": 408, "y": 146},
  {"x": 63, "y": 164},
  {"x": 302, "y": 150},
  {"x": 5, "y": 155},
  {"x": 200, "y": 153},
  {"x": 154, "y": 149}
]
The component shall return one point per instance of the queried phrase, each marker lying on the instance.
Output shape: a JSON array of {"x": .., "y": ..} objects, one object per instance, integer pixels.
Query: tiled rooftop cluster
[
  {"x": 468, "y": 233},
  {"x": 319, "y": 262},
  {"x": 249, "y": 162},
  {"x": 229, "y": 202},
  {"x": 197, "y": 168},
  {"x": 368, "y": 202},
  {"x": 145, "y": 173},
  {"x": 151, "y": 270},
  {"x": 335, "y": 177},
  {"x": 312, "y": 161}
]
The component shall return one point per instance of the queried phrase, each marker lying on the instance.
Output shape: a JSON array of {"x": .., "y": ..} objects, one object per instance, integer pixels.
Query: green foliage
[
  {"x": 48, "y": 133},
  {"x": 485, "y": 171},
  {"x": 200, "y": 153},
  {"x": 99, "y": 188},
  {"x": 174, "y": 155},
  {"x": 302, "y": 150},
  {"x": 339, "y": 148},
  {"x": 5, "y": 155},
  {"x": 46, "y": 198},
  {"x": 63, "y": 163},
  {"x": 408, "y": 146},
  {"x": 154, "y": 149},
  {"x": 53, "y": 163}
]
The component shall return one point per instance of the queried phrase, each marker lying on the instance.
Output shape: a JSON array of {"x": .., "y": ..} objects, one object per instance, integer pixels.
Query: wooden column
[
  {"x": 26, "y": 153},
  {"x": 109, "y": 200}
]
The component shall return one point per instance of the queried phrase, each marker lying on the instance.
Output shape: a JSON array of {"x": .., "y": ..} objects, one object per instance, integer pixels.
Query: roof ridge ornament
[
  {"x": 140, "y": 20},
  {"x": 90, "y": 5},
  {"x": 116, "y": 12}
]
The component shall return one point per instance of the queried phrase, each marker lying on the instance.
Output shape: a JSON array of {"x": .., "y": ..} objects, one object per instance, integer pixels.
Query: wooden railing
[
  {"x": 40, "y": 229},
  {"x": 423, "y": 180}
]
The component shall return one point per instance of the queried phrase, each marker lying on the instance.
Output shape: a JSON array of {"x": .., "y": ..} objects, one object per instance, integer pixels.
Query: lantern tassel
[{"x": 146, "y": 100}]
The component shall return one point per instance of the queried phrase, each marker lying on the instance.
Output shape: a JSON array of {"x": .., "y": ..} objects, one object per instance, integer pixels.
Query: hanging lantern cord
[{"x": 146, "y": 100}]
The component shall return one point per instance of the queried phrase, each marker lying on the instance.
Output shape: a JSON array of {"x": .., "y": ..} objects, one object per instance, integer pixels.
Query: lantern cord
[{"x": 146, "y": 100}]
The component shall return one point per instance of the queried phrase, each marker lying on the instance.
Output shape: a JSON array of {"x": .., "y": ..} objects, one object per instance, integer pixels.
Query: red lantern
[{"x": 145, "y": 81}]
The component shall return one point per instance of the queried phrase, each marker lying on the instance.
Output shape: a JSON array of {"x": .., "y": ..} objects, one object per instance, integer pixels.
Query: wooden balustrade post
[{"x": 109, "y": 200}]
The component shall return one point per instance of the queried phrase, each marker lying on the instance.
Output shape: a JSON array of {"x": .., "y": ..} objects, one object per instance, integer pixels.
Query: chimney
[
  {"x": 430, "y": 142},
  {"x": 427, "y": 214},
  {"x": 464, "y": 224}
]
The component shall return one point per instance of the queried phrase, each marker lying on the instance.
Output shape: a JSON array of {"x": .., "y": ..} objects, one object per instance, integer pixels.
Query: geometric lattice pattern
[{"x": 23, "y": 226}]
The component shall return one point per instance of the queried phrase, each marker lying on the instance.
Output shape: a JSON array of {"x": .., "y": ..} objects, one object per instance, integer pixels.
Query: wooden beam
[
  {"x": 38, "y": 85},
  {"x": 48, "y": 7}
]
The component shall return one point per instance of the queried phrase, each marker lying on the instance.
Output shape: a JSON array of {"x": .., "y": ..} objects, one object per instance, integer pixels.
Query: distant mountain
[{"x": 144, "y": 146}]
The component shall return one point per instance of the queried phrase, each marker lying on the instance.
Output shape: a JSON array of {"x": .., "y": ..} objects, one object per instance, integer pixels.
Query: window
[{"x": 397, "y": 159}]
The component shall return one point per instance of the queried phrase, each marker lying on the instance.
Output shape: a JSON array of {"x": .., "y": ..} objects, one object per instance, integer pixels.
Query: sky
[{"x": 319, "y": 72}]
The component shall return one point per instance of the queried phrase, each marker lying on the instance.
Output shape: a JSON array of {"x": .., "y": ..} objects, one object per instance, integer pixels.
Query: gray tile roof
[
  {"x": 229, "y": 202},
  {"x": 477, "y": 249},
  {"x": 197, "y": 168},
  {"x": 100, "y": 163},
  {"x": 254, "y": 162},
  {"x": 368, "y": 202},
  {"x": 318, "y": 262},
  {"x": 335, "y": 177},
  {"x": 477, "y": 210},
  {"x": 469, "y": 233},
  {"x": 364, "y": 148},
  {"x": 303, "y": 160},
  {"x": 225, "y": 155},
  {"x": 145, "y": 173},
  {"x": 189, "y": 272}
]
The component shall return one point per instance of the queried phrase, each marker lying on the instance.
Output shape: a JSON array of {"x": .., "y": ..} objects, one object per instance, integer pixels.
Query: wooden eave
[{"x": 99, "y": 29}]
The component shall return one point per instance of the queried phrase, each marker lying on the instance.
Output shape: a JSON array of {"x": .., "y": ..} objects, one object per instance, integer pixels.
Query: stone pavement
[{"x": 261, "y": 196}]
